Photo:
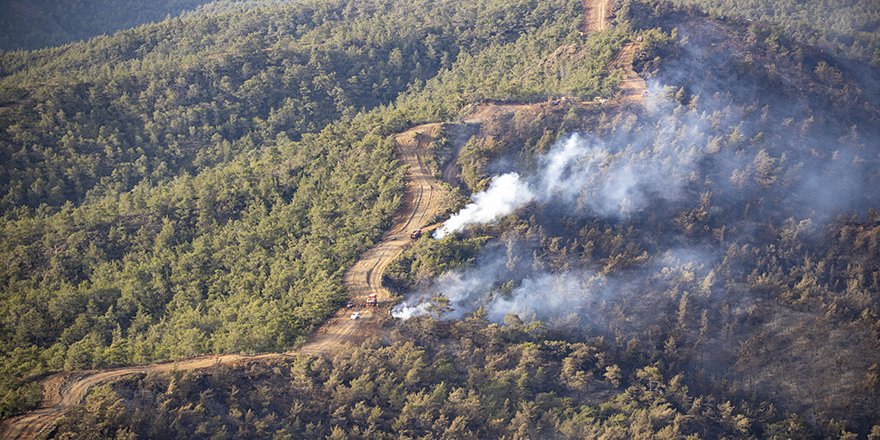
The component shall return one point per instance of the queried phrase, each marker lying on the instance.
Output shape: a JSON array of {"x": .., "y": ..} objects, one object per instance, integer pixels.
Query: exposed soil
[
  {"x": 421, "y": 202},
  {"x": 596, "y": 15},
  {"x": 632, "y": 86}
]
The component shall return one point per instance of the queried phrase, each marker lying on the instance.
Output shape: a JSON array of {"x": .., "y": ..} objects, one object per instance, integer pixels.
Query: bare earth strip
[
  {"x": 632, "y": 86},
  {"x": 596, "y": 14},
  {"x": 67, "y": 389},
  {"x": 421, "y": 203},
  {"x": 597, "y": 18}
]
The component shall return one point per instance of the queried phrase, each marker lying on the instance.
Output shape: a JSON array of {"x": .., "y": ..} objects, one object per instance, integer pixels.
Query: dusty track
[
  {"x": 632, "y": 86},
  {"x": 420, "y": 205},
  {"x": 67, "y": 389},
  {"x": 596, "y": 15}
]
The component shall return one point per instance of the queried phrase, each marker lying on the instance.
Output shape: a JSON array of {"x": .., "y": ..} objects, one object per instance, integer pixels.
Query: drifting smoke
[
  {"x": 587, "y": 176},
  {"x": 593, "y": 178},
  {"x": 623, "y": 177},
  {"x": 743, "y": 154},
  {"x": 537, "y": 295},
  {"x": 506, "y": 194},
  {"x": 676, "y": 226},
  {"x": 508, "y": 281},
  {"x": 464, "y": 290},
  {"x": 548, "y": 295},
  {"x": 541, "y": 297}
]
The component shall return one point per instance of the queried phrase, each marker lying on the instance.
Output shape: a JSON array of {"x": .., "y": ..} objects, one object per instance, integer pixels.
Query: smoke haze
[
  {"x": 711, "y": 157},
  {"x": 506, "y": 194},
  {"x": 710, "y": 228}
]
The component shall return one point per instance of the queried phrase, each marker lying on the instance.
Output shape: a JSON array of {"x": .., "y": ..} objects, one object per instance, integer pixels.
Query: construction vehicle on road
[{"x": 416, "y": 234}]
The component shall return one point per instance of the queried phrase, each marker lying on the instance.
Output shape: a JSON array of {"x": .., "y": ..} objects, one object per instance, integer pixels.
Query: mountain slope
[
  {"x": 203, "y": 228},
  {"x": 696, "y": 259},
  {"x": 34, "y": 24}
]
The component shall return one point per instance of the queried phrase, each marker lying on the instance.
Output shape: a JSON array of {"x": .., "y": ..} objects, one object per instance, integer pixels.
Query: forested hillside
[
  {"x": 171, "y": 190},
  {"x": 34, "y": 24},
  {"x": 462, "y": 380},
  {"x": 152, "y": 103},
  {"x": 726, "y": 231},
  {"x": 846, "y": 27},
  {"x": 701, "y": 260}
]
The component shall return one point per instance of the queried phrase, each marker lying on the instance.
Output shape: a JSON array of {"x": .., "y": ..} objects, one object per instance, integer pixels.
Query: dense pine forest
[
  {"x": 702, "y": 263},
  {"x": 185, "y": 199},
  {"x": 848, "y": 28}
]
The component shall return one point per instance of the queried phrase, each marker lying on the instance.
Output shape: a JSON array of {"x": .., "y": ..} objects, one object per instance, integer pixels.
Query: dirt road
[
  {"x": 66, "y": 389},
  {"x": 632, "y": 86},
  {"x": 420, "y": 204},
  {"x": 596, "y": 15}
]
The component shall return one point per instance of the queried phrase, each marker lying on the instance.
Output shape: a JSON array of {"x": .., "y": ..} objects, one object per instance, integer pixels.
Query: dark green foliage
[
  {"x": 848, "y": 27},
  {"x": 780, "y": 305},
  {"x": 151, "y": 103},
  {"x": 429, "y": 258},
  {"x": 464, "y": 380},
  {"x": 201, "y": 184}
]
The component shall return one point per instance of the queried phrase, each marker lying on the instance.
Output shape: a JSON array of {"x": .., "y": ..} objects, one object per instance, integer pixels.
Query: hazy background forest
[
  {"x": 35, "y": 24},
  {"x": 201, "y": 183}
]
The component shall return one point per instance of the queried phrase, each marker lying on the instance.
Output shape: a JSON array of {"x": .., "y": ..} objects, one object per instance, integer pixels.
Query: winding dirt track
[
  {"x": 63, "y": 390},
  {"x": 421, "y": 203},
  {"x": 596, "y": 15}
]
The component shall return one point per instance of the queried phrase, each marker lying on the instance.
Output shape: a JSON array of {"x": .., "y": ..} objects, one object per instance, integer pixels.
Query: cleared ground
[
  {"x": 420, "y": 204},
  {"x": 632, "y": 86},
  {"x": 596, "y": 15}
]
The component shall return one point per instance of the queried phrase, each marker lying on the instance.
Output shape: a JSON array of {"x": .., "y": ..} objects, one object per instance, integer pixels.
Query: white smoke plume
[
  {"x": 464, "y": 289},
  {"x": 506, "y": 194},
  {"x": 589, "y": 177},
  {"x": 503, "y": 288},
  {"x": 613, "y": 180},
  {"x": 546, "y": 295}
]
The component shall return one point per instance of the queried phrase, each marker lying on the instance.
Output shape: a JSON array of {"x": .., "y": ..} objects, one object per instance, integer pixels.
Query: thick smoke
[
  {"x": 589, "y": 176},
  {"x": 506, "y": 194}
]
